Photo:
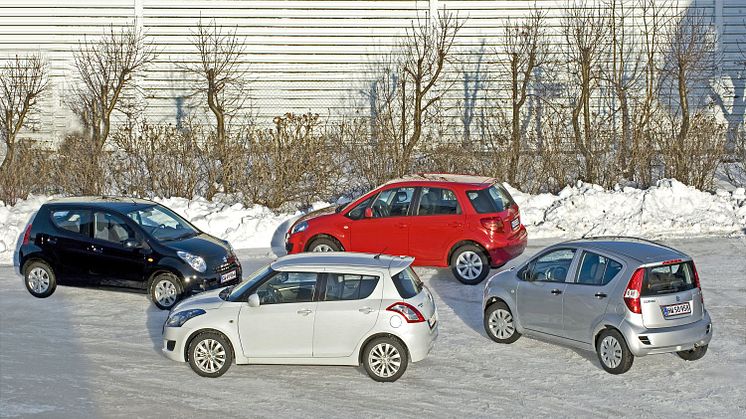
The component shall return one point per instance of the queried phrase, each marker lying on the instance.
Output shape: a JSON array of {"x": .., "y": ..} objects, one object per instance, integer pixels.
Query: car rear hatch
[
  {"x": 670, "y": 295},
  {"x": 415, "y": 294},
  {"x": 499, "y": 211}
]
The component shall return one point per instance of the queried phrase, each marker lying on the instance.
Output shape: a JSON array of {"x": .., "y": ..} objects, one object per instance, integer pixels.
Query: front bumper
[
  {"x": 199, "y": 282},
  {"x": 174, "y": 342},
  {"x": 295, "y": 243},
  {"x": 503, "y": 251},
  {"x": 643, "y": 341}
]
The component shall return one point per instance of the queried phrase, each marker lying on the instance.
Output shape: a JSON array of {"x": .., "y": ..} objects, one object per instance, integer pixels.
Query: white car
[{"x": 311, "y": 308}]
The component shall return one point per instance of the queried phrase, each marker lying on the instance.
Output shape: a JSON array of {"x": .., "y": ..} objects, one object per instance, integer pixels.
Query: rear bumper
[
  {"x": 643, "y": 341},
  {"x": 420, "y": 340},
  {"x": 503, "y": 251}
]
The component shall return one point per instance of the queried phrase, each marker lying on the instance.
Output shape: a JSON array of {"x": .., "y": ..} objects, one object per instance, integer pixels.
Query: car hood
[
  {"x": 202, "y": 245},
  {"x": 316, "y": 214},
  {"x": 206, "y": 301}
]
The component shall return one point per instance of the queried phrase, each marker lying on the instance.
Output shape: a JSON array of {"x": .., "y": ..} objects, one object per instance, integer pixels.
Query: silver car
[
  {"x": 310, "y": 308},
  {"x": 620, "y": 297}
]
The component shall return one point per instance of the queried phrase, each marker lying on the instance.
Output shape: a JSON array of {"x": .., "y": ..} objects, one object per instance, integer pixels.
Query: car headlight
[
  {"x": 302, "y": 226},
  {"x": 178, "y": 319},
  {"x": 196, "y": 262}
]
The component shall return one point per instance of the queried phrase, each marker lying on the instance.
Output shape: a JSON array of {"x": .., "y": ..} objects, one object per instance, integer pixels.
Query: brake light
[
  {"x": 671, "y": 262},
  {"x": 27, "y": 235},
  {"x": 411, "y": 314},
  {"x": 493, "y": 224},
  {"x": 696, "y": 283},
  {"x": 634, "y": 291}
]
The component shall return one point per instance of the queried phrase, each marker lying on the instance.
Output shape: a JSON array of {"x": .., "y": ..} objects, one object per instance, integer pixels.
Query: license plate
[
  {"x": 227, "y": 276},
  {"x": 515, "y": 223},
  {"x": 676, "y": 309}
]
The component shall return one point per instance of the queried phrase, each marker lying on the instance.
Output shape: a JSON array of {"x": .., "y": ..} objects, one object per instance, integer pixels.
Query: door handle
[
  {"x": 456, "y": 224},
  {"x": 401, "y": 225},
  {"x": 600, "y": 295},
  {"x": 95, "y": 249},
  {"x": 556, "y": 291},
  {"x": 51, "y": 240},
  {"x": 305, "y": 312},
  {"x": 366, "y": 310}
]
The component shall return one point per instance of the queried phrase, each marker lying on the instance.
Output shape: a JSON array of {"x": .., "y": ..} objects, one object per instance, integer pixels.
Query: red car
[{"x": 469, "y": 223}]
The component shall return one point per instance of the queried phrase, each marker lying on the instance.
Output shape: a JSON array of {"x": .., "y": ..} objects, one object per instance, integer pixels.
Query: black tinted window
[
  {"x": 597, "y": 270},
  {"x": 359, "y": 210},
  {"x": 288, "y": 287},
  {"x": 552, "y": 266},
  {"x": 492, "y": 199},
  {"x": 75, "y": 220},
  {"x": 407, "y": 283},
  {"x": 349, "y": 287},
  {"x": 392, "y": 202},
  {"x": 111, "y": 228},
  {"x": 668, "y": 279},
  {"x": 437, "y": 201}
]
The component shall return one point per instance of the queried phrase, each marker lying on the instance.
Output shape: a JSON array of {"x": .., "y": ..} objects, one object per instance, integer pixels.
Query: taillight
[
  {"x": 634, "y": 291},
  {"x": 493, "y": 224},
  {"x": 696, "y": 283},
  {"x": 27, "y": 235},
  {"x": 411, "y": 314}
]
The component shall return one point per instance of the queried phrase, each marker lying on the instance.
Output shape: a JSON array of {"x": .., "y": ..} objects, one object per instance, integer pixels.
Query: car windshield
[
  {"x": 234, "y": 292},
  {"x": 162, "y": 223}
]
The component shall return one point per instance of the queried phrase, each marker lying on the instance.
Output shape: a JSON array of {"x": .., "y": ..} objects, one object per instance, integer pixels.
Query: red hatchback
[{"x": 469, "y": 223}]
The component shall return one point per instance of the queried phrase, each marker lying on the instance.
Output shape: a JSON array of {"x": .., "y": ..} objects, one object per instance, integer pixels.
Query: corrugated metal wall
[{"x": 301, "y": 54}]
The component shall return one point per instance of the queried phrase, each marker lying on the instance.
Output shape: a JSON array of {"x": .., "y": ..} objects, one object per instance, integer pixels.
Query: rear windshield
[
  {"x": 492, "y": 199},
  {"x": 407, "y": 283},
  {"x": 668, "y": 279}
]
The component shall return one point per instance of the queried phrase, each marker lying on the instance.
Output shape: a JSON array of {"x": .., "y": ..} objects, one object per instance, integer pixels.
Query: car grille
[{"x": 228, "y": 266}]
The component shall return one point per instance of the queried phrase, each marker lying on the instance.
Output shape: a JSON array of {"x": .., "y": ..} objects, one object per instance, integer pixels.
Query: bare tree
[
  {"x": 525, "y": 51},
  {"x": 105, "y": 67}
]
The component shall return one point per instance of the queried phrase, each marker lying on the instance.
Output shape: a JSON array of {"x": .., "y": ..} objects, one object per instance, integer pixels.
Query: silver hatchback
[{"x": 620, "y": 297}]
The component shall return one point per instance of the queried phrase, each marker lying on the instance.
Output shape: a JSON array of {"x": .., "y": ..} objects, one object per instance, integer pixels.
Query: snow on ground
[
  {"x": 670, "y": 209},
  {"x": 96, "y": 353}
]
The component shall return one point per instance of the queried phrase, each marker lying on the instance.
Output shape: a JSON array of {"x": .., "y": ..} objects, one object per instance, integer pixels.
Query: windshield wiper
[{"x": 183, "y": 236}]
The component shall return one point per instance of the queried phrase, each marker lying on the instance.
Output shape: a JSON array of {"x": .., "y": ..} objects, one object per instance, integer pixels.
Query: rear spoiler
[{"x": 399, "y": 263}]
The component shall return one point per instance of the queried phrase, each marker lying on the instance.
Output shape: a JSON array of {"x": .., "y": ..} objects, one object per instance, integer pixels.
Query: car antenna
[{"x": 378, "y": 256}]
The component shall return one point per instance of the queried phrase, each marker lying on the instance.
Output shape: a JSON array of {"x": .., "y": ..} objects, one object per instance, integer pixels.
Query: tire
[
  {"x": 613, "y": 352},
  {"x": 470, "y": 265},
  {"x": 210, "y": 354},
  {"x": 693, "y": 354},
  {"x": 500, "y": 324},
  {"x": 165, "y": 290},
  {"x": 385, "y": 359},
  {"x": 324, "y": 244},
  {"x": 39, "y": 279}
]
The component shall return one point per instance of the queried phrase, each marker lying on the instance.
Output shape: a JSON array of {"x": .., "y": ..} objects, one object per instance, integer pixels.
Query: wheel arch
[
  {"x": 380, "y": 335},
  {"x": 461, "y": 243},
  {"x": 322, "y": 236},
  {"x": 157, "y": 270},
  {"x": 197, "y": 332},
  {"x": 23, "y": 263}
]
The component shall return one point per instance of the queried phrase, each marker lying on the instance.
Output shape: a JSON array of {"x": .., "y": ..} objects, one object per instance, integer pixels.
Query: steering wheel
[
  {"x": 556, "y": 273},
  {"x": 380, "y": 209},
  {"x": 276, "y": 295}
]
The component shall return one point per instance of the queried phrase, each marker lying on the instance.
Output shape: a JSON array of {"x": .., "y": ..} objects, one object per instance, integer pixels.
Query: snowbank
[{"x": 670, "y": 209}]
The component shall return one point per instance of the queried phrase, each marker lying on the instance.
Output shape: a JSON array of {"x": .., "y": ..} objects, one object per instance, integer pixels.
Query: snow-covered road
[{"x": 95, "y": 353}]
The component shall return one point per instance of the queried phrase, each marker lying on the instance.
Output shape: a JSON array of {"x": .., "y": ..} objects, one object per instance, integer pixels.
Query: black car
[{"x": 122, "y": 242}]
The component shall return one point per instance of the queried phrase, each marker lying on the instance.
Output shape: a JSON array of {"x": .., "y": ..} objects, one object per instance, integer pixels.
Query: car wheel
[
  {"x": 613, "y": 352},
  {"x": 323, "y": 244},
  {"x": 385, "y": 359},
  {"x": 470, "y": 265},
  {"x": 165, "y": 290},
  {"x": 693, "y": 354},
  {"x": 210, "y": 354},
  {"x": 499, "y": 323},
  {"x": 39, "y": 279}
]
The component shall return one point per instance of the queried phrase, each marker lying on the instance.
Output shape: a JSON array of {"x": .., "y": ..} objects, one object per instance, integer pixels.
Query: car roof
[
  {"x": 116, "y": 203},
  {"x": 641, "y": 250},
  {"x": 445, "y": 178},
  {"x": 342, "y": 260}
]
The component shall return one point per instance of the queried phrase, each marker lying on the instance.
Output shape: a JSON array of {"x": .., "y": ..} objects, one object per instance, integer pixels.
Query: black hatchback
[{"x": 122, "y": 242}]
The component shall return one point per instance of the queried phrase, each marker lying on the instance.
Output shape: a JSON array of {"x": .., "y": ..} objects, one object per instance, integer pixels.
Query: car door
[
  {"x": 586, "y": 296},
  {"x": 282, "y": 325},
  {"x": 540, "y": 291},
  {"x": 69, "y": 243},
  {"x": 437, "y": 223},
  {"x": 115, "y": 262},
  {"x": 387, "y": 230},
  {"x": 348, "y": 309}
]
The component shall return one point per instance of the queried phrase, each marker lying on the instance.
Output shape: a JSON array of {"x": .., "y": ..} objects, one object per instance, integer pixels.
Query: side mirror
[
  {"x": 131, "y": 244},
  {"x": 254, "y": 300},
  {"x": 368, "y": 213}
]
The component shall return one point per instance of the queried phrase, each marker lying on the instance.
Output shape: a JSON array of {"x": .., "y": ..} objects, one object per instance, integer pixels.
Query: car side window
[
  {"x": 111, "y": 228},
  {"x": 393, "y": 202},
  {"x": 596, "y": 269},
  {"x": 359, "y": 210},
  {"x": 73, "y": 220},
  {"x": 349, "y": 287},
  {"x": 288, "y": 287},
  {"x": 552, "y": 266},
  {"x": 438, "y": 201}
]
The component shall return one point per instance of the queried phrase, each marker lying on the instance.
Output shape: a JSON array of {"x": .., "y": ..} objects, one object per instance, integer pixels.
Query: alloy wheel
[
  {"x": 611, "y": 352},
  {"x": 322, "y": 248},
  {"x": 209, "y": 355},
  {"x": 38, "y": 280},
  {"x": 469, "y": 265},
  {"x": 501, "y": 324},
  {"x": 385, "y": 360},
  {"x": 165, "y": 292}
]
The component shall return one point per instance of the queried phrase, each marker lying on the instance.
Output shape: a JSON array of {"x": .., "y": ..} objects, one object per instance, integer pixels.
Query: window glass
[
  {"x": 349, "y": 287},
  {"x": 668, "y": 279},
  {"x": 288, "y": 287},
  {"x": 553, "y": 266},
  {"x": 407, "y": 283},
  {"x": 358, "y": 212},
  {"x": 492, "y": 199},
  {"x": 75, "y": 220},
  {"x": 437, "y": 201},
  {"x": 111, "y": 228},
  {"x": 162, "y": 223},
  {"x": 597, "y": 270},
  {"x": 392, "y": 202}
]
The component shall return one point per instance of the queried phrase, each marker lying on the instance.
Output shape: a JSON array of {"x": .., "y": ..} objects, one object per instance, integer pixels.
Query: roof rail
[{"x": 624, "y": 238}]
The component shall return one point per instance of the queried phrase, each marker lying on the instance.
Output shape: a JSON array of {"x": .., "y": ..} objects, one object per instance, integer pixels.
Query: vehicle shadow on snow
[
  {"x": 154, "y": 320},
  {"x": 464, "y": 300}
]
